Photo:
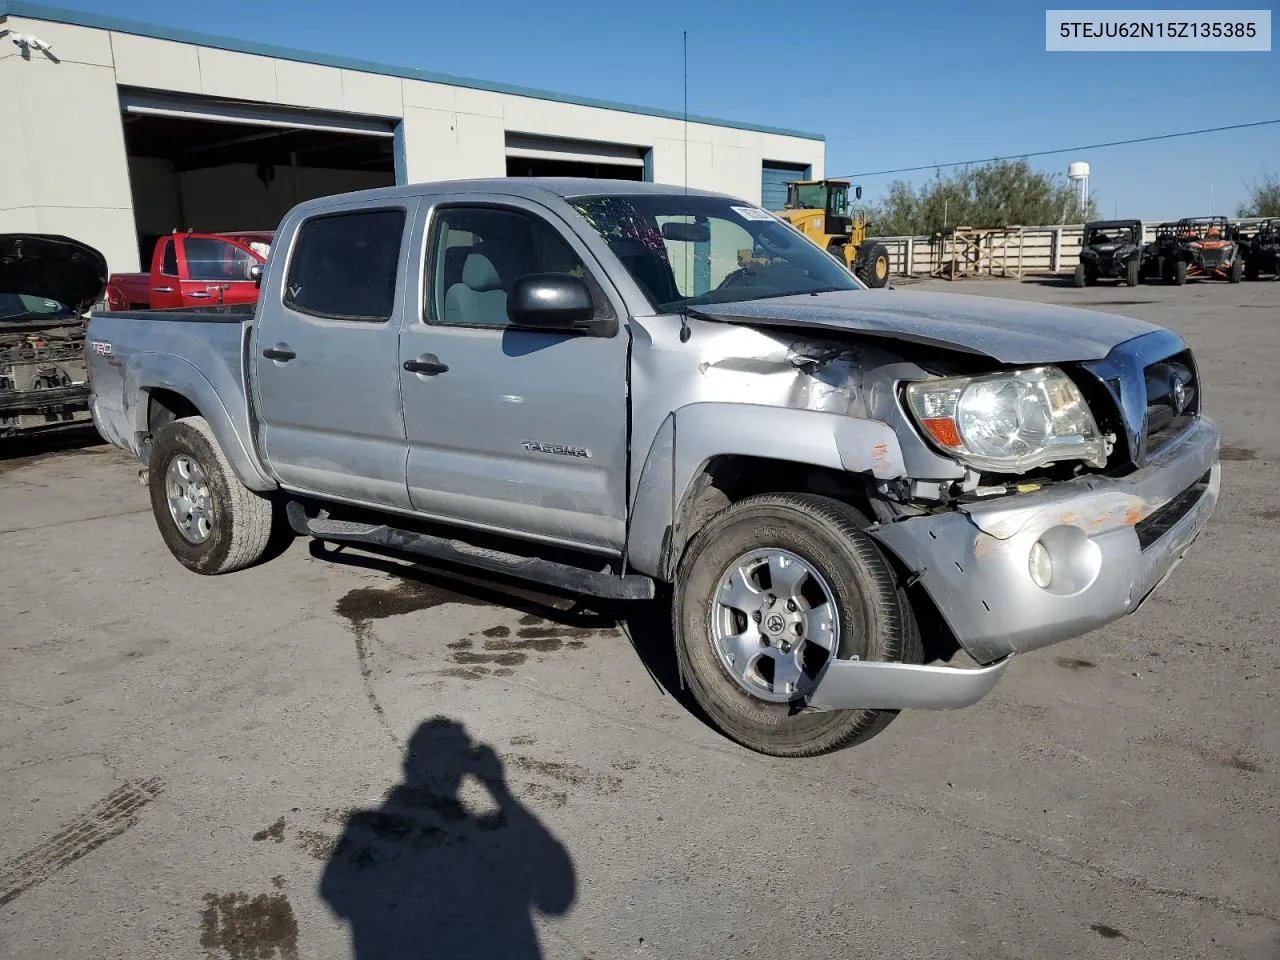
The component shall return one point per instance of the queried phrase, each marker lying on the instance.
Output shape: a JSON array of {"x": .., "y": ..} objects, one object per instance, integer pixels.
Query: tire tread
[{"x": 886, "y": 602}]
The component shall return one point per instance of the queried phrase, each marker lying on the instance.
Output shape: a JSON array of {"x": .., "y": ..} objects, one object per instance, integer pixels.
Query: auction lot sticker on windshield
[
  {"x": 752, "y": 213},
  {"x": 1163, "y": 31}
]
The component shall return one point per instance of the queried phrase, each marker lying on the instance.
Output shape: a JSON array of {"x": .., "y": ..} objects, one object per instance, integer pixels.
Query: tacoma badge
[{"x": 532, "y": 446}]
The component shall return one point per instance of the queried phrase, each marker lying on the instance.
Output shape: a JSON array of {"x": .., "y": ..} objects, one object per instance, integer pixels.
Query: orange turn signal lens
[{"x": 943, "y": 430}]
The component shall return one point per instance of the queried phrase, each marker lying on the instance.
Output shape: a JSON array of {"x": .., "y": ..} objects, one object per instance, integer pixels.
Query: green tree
[
  {"x": 998, "y": 194},
  {"x": 1264, "y": 198}
]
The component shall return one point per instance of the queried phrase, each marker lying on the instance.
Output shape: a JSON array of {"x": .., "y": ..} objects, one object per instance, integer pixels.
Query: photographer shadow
[{"x": 421, "y": 876}]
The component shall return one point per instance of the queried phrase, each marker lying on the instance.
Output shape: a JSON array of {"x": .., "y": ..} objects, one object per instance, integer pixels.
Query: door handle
[
  {"x": 279, "y": 352},
  {"x": 162, "y": 289},
  {"x": 197, "y": 295},
  {"x": 427, "y": 363}
]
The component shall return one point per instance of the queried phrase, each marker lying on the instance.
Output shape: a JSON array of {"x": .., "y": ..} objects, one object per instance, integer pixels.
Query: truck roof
[{"x": 532, "y": 188}]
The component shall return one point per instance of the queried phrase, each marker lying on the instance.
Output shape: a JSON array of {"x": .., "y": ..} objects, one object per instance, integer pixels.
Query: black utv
[
  {"x": 1197, "y": 248},
  {"x": 1110, "y": 250},
  {"x": 1262, "y": 250}
]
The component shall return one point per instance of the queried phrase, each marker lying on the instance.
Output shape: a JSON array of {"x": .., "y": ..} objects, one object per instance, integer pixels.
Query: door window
[
  {"x": 169, "y": 259},
  {"x": 344, "y": 265},
  {"x": 217, "y": 260},
  {"x": 477, "y": 255}
]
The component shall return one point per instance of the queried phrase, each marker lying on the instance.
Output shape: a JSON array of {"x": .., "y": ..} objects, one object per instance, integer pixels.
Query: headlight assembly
[{"x": 1008, "y": 422}]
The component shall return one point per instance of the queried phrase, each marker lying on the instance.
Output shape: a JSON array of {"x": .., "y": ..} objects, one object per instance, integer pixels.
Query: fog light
[{"x": 1040, "y": 565}]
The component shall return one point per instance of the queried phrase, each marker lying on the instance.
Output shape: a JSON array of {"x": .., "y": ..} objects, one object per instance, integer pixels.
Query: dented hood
[
  {"x": 51, "y": 266},
  {"x": 1007, "y": 331}
]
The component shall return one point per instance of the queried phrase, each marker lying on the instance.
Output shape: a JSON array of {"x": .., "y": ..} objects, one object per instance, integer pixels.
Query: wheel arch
[
  {"x": 708, "y": 455},
  {"x": 161, "y": 389}
]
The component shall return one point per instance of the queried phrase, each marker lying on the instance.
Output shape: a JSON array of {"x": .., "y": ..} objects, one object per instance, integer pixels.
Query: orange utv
[{"x": 1197, "y": 248}]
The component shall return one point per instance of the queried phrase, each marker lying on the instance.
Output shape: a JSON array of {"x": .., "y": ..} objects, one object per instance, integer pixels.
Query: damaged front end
[
  {"x": 47, "y": 284},
  {"x": 1060, "y": 537},
  {"x": 1020, "y": 562}
]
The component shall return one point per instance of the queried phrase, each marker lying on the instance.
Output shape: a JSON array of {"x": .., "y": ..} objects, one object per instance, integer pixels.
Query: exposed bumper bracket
[{"x": 875, "y": 685}]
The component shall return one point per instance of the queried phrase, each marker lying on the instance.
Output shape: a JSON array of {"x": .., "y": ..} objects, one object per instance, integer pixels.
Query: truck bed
[
  {"x": 131, "y": 352},
  {"x": 129, "y": 291}
]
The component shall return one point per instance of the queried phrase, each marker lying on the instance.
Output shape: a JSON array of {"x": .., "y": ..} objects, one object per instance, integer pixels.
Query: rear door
[
  {"x": 325, "y": 350},
  {"x": 516, "y": 430},
  {"x": 217, "y": 271}
]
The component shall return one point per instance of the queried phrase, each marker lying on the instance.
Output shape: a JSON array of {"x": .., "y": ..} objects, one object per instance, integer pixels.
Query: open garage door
[
  {"x": 216, "y": 166},
  {"x": 533, "y": 156}
]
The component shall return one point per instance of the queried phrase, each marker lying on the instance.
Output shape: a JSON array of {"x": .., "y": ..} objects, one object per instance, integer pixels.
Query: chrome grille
[
  {"x": 1140, "y": 377},
  {"x": 1173, "y": 400}
]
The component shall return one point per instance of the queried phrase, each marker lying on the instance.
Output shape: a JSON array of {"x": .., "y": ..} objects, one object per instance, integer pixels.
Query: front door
[
  {"x": 217, "y": 271},
  {"x": 166, "y": 283},
  {"x": 325, "y": 355},
  {"x": 515, "y": 430}
]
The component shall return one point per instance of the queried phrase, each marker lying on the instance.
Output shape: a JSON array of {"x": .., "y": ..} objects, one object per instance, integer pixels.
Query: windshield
[
  {"x": 685, "y": 251},
  {"x": 20, "y": 307},
  {"x": 1116, "y": 234}
]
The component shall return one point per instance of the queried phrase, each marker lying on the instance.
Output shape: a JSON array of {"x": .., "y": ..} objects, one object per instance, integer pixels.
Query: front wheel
[
  {"x": 207, "y": 518},
  {"x": 1077, "y": 278},
  {"x": 1237, "y": 271},
  {"x": 1180, "y": 272},
  {"x": 874, "y": 268},
  {"x": 1131, "y": 274},
  {"x": 772, "y": 590}
]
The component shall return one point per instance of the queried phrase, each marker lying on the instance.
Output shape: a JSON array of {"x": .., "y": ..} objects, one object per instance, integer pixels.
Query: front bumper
[{"x": 1112, "y": 541}]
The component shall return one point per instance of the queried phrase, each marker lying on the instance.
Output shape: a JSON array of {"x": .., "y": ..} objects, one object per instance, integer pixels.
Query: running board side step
[
  {"x": 876, "y": 685},
  {"x": 592, "y": 583}
]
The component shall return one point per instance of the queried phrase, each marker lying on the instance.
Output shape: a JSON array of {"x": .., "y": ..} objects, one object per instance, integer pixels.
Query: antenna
[{"x": 684, "y": 308}]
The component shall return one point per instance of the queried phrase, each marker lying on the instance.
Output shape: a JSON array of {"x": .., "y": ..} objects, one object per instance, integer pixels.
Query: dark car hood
[
  {"x": 53, "y": 267},
  {"x": 1008, "y": 331}
]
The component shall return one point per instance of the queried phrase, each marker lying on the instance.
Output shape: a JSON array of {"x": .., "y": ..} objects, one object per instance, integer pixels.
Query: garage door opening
[
  {"x": 530, "y": 156},
  {"x": 216, "y": 167}
]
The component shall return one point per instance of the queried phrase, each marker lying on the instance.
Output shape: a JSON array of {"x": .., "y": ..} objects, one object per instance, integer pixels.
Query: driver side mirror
[
  {"x": 550, "y": 301},
  {"x": 255, "y": 274},
  {"x": 857, "y": 193}
]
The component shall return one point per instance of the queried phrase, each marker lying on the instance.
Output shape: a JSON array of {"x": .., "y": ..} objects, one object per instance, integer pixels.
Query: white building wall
[
  {"x": 64, "y": 168},
  {"x": 67, "y": 170}
]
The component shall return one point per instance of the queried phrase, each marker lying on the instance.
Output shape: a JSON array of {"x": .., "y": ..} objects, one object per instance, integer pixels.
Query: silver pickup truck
[{"x": 624, "y": 390}]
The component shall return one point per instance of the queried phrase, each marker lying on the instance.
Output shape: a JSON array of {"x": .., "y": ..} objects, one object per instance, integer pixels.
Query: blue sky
[{"x": 890, "y": 85}]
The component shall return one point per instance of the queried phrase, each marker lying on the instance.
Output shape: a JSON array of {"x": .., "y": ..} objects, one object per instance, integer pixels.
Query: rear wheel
[
  {"x": 772, "y": 590},
  {"x": 1131, "y": 276},
  {"x": 1077, "y": 279},
  {"x": 207, "y": 518},
  {"x": 874, "y": 267}
]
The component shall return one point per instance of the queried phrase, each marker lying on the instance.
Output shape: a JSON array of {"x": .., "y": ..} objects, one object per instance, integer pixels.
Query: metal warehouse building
[{"x": 115, "y": 132}]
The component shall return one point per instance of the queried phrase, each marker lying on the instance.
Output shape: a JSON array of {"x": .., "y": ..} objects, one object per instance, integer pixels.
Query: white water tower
[{"x": 1078, "y": 175}]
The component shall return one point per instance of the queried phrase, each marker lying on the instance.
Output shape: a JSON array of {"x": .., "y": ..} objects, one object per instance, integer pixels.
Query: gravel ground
[{"x": 246, "y": 767}]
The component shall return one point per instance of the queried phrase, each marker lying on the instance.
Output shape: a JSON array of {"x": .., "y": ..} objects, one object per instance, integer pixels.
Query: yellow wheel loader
[{"x": 820, "y": 210}]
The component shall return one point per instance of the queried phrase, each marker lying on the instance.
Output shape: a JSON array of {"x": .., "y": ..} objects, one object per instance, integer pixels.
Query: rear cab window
[{"x": 343, "y": 266}]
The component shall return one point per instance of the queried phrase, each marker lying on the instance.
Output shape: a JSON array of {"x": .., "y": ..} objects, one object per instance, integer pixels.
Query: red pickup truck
[{"x": 194, "y": 269}]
